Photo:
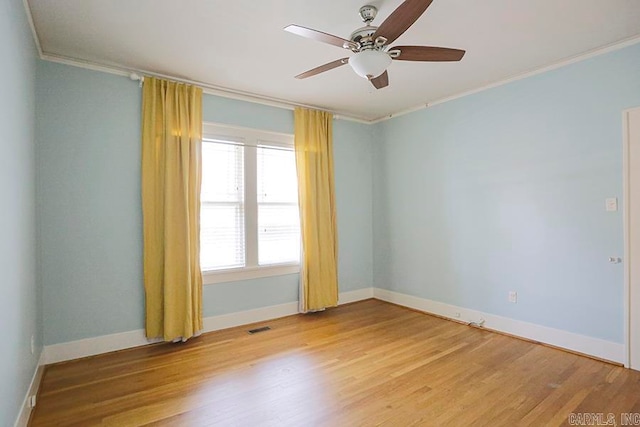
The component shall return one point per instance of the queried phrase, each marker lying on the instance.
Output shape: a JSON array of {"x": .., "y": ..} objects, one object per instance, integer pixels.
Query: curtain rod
[{"x": 212, "y": 90}]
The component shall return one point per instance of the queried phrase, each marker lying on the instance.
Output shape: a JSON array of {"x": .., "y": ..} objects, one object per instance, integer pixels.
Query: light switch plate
[{"x": 612, "y": 204}]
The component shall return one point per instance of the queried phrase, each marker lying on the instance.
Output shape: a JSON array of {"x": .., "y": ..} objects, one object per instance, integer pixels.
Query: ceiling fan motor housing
[{"x": 363, "y": 36}]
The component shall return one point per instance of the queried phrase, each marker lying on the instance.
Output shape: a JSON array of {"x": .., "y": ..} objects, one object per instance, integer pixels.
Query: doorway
[{"x": 631, "y": 173}]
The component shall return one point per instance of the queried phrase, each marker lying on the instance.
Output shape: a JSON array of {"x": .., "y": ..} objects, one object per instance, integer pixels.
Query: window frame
[{"x": 251, "y": 139}]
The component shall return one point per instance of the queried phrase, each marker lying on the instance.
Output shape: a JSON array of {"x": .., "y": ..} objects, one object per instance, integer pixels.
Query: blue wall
[
  {"x": 19, "y": 292},
  {"x": 88, "y": 143},
  {"x": 505, "y": 190},
  {"x": 460, "y": 203},
  {"x": 87, "y": 133}
]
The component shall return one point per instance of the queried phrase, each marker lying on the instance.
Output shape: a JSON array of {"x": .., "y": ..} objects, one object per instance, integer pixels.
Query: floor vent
[{"x": 255, "y": 331}]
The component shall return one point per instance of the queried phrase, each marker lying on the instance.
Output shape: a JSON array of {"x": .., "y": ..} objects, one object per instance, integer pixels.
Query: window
[
  {"x": 278, "y": 217},
  {"x": 222, "y": 240},
  {"x": 249, "y": 223}
]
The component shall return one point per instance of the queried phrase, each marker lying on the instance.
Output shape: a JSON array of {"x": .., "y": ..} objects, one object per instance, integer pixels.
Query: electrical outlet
[
  {"x": 457, "y": 314},
  {"x": 32, "y": 401},
  {"x": 33, "y": 345},
  {"x": 513, "y": 297}
]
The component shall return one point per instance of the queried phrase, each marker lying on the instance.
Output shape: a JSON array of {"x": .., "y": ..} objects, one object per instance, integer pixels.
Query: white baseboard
[
  {"x": 596, "y": 347},
  {"x": 575, "y": 342},
  {"x": 92, "y": 346},
  {"x": 239, "y": 318},
  {"x": 353, "y": 296},
  {"x": 25, "y": 410},
  {"x": 107, "y": 343}
]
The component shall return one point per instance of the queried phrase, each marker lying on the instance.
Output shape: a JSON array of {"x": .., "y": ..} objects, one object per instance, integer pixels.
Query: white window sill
[{"x": 246, "y": 273}]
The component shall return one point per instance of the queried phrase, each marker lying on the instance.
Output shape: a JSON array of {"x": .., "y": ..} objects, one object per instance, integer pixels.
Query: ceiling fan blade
[
  {"x": 381, "y": 81},
  {"x": 427, "y": 53},
  {"x": 401, "y": 19},
  {"x": 323, "y": 68},
  {"x": 319, "y": 36}
]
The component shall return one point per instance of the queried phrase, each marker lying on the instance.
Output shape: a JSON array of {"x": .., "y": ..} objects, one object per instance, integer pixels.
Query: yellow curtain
[
  {"x": 171, "y": 179},
  {"x": 316, "y": 196}
]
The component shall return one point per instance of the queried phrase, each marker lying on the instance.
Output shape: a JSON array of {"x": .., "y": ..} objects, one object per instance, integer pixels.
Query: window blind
[
  {"x": 278, "y": 217},
  {"x": 222, "y": 232}
]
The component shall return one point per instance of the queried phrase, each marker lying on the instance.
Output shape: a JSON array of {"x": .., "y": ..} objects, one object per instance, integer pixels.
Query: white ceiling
[{"x": 240, "y": 44}]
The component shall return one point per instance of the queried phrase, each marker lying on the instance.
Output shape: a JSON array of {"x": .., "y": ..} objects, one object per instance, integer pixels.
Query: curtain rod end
[{"x": 137, "y": 77}]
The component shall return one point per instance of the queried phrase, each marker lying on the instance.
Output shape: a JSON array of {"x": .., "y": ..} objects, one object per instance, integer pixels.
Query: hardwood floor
[{"x": 369, "y": 363}]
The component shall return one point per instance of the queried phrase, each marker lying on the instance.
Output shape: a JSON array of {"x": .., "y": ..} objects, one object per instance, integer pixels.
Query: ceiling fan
[{"x": 371, "y": 44}]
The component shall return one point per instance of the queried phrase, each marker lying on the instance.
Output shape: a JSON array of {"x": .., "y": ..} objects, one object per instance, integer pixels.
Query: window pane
[
  {"x": 222, "y": 235},
  {"x": 222, "y": 172},
  {"x": 278, "y": 233},
  {"x": 278, "y": 218},
  {"x": 277, "y": 181}
]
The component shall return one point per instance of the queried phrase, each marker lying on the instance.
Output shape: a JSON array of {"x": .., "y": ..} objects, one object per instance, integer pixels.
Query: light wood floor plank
[{"x": 364, "y": 364}]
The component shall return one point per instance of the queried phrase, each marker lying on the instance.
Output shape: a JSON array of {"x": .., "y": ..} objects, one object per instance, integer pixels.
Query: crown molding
[
  {"x": 34, "y": 33},
  {"x": 289, "y": 105},
  {"x": 559, "y": 64},
  {"x": 206, "y": 88}
]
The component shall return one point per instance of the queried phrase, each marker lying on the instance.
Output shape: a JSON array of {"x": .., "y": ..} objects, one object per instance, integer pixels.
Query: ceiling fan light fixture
[
  {"x": 370, "y": 63},
  {"x": 371, "y": 44}
]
